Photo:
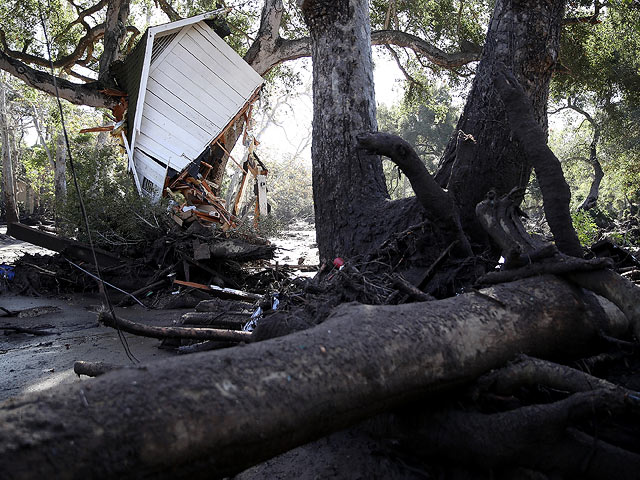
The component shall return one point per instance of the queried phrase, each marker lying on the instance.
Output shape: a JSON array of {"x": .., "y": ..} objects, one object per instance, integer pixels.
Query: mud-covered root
[
  {"x": 616, "y": 288},
  {"x": 553, "y": 438}
]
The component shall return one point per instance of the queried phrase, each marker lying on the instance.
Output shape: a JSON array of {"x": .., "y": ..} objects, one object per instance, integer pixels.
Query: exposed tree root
[
  {"x": 624, "y": 293},
  {"x": 219, "y": 412},
  {"x": 561, "y": 265},
  {"x": 540, "y": 437},
  {"x": 94, "y": 369},
  {"x": 438, "y": 204},
  {"x": 528, "y": 371}
]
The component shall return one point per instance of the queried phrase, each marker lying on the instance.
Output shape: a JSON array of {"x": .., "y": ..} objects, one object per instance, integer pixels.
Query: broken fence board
[{"x": 222, "y": 292}]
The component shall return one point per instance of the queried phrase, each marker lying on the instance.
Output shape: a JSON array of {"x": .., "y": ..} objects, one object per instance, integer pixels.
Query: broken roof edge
[{"x": 187, "y": 21}]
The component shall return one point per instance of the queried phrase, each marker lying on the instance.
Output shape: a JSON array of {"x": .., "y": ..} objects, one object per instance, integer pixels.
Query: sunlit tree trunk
[
  {"x": 60, "y": 173},
  {"x": 348, "y": 183},
  {"x": 8, "y": 174}
]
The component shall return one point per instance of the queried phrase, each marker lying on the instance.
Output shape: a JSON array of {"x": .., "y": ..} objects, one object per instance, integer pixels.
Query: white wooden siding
[
  {"x": 193, "y": 89},
  {"x": 148, "y": 168}
]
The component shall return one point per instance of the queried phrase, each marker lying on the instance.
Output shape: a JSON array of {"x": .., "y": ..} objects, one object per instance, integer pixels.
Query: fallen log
[
  {"x": 194, "y": 333},
  {"x": 217, "y": 413}
]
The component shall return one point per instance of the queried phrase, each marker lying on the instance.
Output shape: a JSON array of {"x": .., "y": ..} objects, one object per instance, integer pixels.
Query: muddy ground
[{"x": 30, "y": 363}]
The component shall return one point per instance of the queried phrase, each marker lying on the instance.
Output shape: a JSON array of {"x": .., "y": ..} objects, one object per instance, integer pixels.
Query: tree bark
[
  {"x": 555, "y": 190},
  {"x": 60, "y": 170},
  {"x": 115, "y": 31},
  {"x": 217, "y": 413},
  {"x": 8, "y": 173},
  {"x": 348, "y": 184},
  {"x": 524, "y": 35},
  {"x": 438, "y": 204}
]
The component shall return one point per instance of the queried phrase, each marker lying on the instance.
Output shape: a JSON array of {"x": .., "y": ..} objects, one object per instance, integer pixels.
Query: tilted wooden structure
[{"x": 185, "y": 88}]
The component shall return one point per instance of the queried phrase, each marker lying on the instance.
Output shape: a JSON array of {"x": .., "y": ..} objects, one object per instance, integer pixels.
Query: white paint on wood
[
  {"x": 201, "y": 78},
  {"x": 132, "y": 163},
  {"x": 174, "y": 107},
  {"x": 184, "y": 83},
  {"x": 169, "y": 27},
  {"x": 153, "y": 171},
  {"x": 193, "y": 90},
  {"x": 167, "y": 51},
  {"x": 241, "y": 71},
  {"x": 175, "y": 126},
  {"x": 143, "y": 88},
  {"x": 262, "y": 194}
]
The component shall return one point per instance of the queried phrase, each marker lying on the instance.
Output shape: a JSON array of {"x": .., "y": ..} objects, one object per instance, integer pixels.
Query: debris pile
[{"x": 194, "y": 199}]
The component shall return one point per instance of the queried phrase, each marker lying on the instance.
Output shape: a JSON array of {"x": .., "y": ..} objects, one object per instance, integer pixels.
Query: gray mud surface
[{"x": 33, "y": 363}]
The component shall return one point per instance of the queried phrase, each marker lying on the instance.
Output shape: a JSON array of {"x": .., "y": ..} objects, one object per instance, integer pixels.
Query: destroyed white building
[{"x": 185, "y": 86}]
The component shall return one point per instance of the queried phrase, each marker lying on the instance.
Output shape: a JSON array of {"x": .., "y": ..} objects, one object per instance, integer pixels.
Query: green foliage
[
  {"x": 586, "y": 227},
  {"x": 604, "y": 58},
  {"x": 117, "y": 215},
  {"x": 426, "y": 123},
  {"x": 290, "y": 192}
]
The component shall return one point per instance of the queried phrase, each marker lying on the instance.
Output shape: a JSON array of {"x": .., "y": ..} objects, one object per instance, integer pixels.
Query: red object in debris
[{"x": 338, "y": 262}]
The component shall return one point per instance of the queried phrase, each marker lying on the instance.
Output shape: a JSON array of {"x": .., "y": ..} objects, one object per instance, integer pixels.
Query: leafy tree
[{"x": 426, "y": 123}]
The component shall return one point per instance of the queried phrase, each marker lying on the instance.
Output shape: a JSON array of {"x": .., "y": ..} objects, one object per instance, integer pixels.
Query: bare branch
[
  {"x": 422, "y": 47},
  {"x": 92, "y": 36},
  {"x": 87, "y": 94}
]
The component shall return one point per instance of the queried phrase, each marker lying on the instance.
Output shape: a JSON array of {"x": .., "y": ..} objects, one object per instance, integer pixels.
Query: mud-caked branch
[
  {"x": 438, "y": 204},
  {"x": 529, "y": 134}
]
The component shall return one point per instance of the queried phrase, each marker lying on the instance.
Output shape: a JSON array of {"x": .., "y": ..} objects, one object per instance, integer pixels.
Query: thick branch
[
  {"x": 263, "y": 59},
  {"x": 82, "y": 14},
  {"x": 88, "y": 40},
  {"x": 262, "y": 54},
  {"x": 555, "y": 191},
  {"x": 437, "y": 202},
  {"x": 115, "y": 32},
  {"x": 87, "y": 94},
  {"x": 174, "y": 332},
  {"x": 421, "y": 47}
]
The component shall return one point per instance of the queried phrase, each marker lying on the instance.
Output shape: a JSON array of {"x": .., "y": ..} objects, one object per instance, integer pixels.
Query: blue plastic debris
[{"x": 7, "y": 272}]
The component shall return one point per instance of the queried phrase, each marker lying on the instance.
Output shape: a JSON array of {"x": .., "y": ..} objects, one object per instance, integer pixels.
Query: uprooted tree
[{"x": 218, "y": 413}]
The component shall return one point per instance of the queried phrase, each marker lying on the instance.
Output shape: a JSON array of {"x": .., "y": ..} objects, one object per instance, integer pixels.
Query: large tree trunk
[
  {"x": 524, "y": 36},
  {"x": 115, "y": 30},
  {"x": 348, "y": 184},
  {"x": 8, "y": 174},
  {"x": 215, "y": 414}
]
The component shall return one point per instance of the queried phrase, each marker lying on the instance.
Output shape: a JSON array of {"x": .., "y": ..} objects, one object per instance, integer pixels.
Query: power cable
[{"x": 83, "y": 210}]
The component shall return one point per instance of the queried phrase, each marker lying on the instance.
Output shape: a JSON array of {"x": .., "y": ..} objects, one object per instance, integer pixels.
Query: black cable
[{"x": 83, "y": 210}]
